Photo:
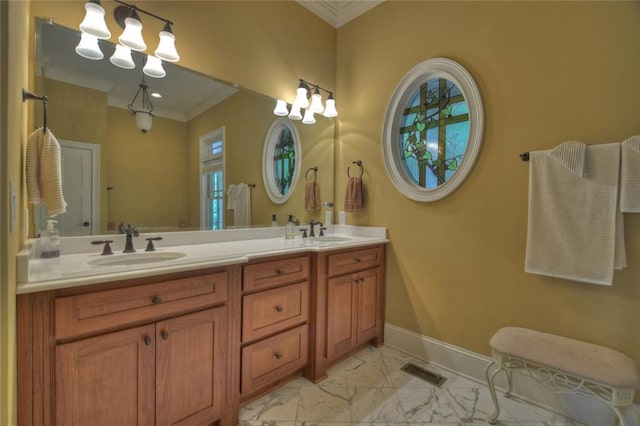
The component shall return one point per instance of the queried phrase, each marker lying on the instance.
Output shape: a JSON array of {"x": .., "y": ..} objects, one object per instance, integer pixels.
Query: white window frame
[{"x": 205, "y": 141}]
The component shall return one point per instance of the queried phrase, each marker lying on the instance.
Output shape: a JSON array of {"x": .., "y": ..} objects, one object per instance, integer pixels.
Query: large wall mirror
[{"x": 206, "y": 135}]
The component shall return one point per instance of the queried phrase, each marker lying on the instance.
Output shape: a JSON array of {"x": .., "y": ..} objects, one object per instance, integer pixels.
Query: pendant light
[
  {"x": 316, "y": 101},
  {"x": 143, "y": 111},
  {"x": 281, "y": 108},
  {"x": 93, "y": 22},
  {"x": 301, "y": 100},
  {"x": 122, "y": 58},
  {"x": 131, "y": 37},
  {"x": 88, "y": 47},
  {"x": 153, "y": 67},
  {"x": 166, "y": 48},
  {"x": 308, "y": 117},
  {"x": 330, "y": 110},
  {"x": 295, "y": 113}
]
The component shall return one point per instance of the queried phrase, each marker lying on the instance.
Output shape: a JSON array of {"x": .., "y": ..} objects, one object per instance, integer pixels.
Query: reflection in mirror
[
  {"x": 160, "y": 181},
  {"x": 280, "y": 157}
]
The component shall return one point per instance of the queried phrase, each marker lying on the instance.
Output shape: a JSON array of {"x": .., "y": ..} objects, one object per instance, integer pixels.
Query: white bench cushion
[{"x": 585, "y": 360}]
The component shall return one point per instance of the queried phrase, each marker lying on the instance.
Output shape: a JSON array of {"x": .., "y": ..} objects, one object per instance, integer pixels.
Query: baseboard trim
[{"x": 472, "y": 366}]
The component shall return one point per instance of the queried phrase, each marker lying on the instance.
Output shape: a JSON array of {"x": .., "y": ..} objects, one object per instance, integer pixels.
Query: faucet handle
[
  {"x": 150, "y": 240},
  {"x": 322, "y": 229},
  {"x": 304, "y": 232},
  {"x": 107, "y": 248}
]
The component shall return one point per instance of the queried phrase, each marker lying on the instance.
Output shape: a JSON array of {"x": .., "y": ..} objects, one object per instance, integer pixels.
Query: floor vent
[{"x": 424, "y": 374}]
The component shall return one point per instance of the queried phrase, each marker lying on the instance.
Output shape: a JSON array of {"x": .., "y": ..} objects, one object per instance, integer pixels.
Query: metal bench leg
[
  {"x": 509, "y": 382},
  {"x": 492, "y": 419}
]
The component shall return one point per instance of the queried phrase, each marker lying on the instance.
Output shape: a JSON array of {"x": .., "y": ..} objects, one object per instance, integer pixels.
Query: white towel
[
  {"x": 630, "y": 175},
  {"x": 575, "y": 229},
  {"x": 239, "y": 200},
  {"x": 44, "y": 178}
]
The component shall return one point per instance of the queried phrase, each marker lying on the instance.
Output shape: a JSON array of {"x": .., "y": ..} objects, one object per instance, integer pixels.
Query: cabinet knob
[
  {"x": 164, "y": 334},
  {"x": 156, "y": 299},
  {"x": 279, "y": 271},
  {"x": 279, "y": 308},
  {"x": 358, "y": 260},
  {"x": 277, "y": 355},
  {"x": 147, "y": 340}
]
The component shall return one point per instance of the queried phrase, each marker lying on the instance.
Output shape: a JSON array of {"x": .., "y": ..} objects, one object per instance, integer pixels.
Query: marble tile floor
[{"x": 370, "y": 389}]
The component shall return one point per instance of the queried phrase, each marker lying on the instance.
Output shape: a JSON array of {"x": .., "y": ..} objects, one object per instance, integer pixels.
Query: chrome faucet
[
  {"x": 311, "y": 225},
  {"x": 130, "y": 233}
]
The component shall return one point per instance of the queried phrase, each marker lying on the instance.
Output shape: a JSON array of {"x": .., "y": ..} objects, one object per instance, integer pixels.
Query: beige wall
[
  {"x": 14, "y": 48},
  {"x": 547, "y": 72}
]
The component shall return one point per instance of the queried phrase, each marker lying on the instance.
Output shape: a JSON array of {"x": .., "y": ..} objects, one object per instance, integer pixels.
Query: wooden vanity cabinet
[
  {"x": 124, "y": 354},
  {"x": 275, "y": 315},
  {"x": 349, "y": 305}
]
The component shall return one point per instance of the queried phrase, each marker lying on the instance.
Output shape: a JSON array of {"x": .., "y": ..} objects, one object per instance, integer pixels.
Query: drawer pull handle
[
  {"x": 164, "y": 334},
  {"x": 147, "y": 340},
  {"x": 277, "y": 355},
  {"x": 359, "y": 280},
  {"x": 279, "y": 308},
  {"x": 279, "y": 271},
  {"x": 156, "y": 300}
]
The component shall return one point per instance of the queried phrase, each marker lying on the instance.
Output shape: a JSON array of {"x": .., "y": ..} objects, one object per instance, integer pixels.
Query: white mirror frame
[
  {"x": 268, "y": 171},
  {"x": 428, "y": 70}
]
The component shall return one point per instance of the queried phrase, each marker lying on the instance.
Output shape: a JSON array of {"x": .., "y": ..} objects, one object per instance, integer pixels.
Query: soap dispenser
[
  {"x": 274, "y": 221},
  {"x": 289, "y": 228},
  {"x": 49, "y": 264}
]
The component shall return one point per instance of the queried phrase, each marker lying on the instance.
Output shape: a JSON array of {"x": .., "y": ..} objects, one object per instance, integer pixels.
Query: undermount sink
[
  {"x": 330, "y": 239},
  {"x": 136, "y": 258}
]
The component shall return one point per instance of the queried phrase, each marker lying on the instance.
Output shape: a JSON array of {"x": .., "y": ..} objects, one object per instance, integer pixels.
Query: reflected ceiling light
[
  {"x": 281, "y": 108},
  {"x": 127, "y": 17},
  {"x": 153, "y": 67},
  {"x": 88, "y": 47},
  {"x": 167, "y": 47},
  {"x": 122, "y": 58},
  {"x": 93, "y": 22},
  {"x": 308, "y": 117},
  {"x": 156, "y": 95},
  {"x": 302, "y": 102},
  {"x": 144, "y": 109}
]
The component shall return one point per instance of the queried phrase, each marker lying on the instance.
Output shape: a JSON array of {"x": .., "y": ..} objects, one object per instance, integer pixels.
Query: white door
[{"x": 79, "y": 162}]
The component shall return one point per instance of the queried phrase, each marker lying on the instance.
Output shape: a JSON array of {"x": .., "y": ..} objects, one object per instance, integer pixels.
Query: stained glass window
[
  {"x": 434, "y": 132},
  {"x": 284, "y": 161}
]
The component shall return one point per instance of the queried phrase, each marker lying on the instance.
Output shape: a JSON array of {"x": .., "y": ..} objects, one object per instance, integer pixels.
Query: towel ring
[
  {"x": 315, "y": 173},
  {"x": 359, "y": 163}
]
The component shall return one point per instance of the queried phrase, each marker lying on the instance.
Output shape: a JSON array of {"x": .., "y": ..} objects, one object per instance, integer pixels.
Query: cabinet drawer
[
  {"x": 271, "y": 359},
  {"x": 346, "y": 262},
  {"x": 275, "y": 272},
  {"x": 274, "y": 310},
  {"x": 109, "y": 309}
]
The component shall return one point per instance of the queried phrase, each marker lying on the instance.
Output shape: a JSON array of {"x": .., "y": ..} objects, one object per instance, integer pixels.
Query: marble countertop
[{"x": 80, "y": 261}]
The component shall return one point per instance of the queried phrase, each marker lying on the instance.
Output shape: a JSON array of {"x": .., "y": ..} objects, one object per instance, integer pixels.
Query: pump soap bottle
[
  {"x": 50, "y": 250},
  {"x": 274, "y": 221},
  {"x": 289, "y": 228}
]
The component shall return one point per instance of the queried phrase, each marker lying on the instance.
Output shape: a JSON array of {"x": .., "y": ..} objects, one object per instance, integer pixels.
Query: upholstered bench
[{"x": 564, "y": 365}]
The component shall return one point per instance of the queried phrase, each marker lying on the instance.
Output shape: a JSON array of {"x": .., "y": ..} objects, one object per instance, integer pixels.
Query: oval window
[
  {"x": 433, "y": 130},
  {"x": 280, "y": 159}
]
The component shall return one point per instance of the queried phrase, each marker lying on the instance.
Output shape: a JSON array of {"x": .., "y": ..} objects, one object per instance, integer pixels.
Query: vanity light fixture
[
  {"x": 302, "y": 102},
  {"x": 128, "y": 18},
  {"x": 144, "y": 111}
]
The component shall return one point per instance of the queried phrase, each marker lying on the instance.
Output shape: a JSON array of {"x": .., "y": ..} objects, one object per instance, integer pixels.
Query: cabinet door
[
  {"x": 107, "y": 380},
  {"x": 340, "y": 316},
  {"x": 191, "y": 368},
  {"x": 369, "y": 305}
]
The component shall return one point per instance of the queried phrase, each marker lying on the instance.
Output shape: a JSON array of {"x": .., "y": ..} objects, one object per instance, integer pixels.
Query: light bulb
[
  {"x": 316, "y": 102},
  {"x": 122, "y": 58},
  {"x": 330, "y": 107},
  {"x": 281, "y": 108},
  {"x": 308, "y": 117},
  {"x": 153, "y": 68},
  {"x": 88, "y": 47},
  {"x": 167, "y": 48},
  {"x": 93, "y": 22},
  {"x": 295, "y": 113},
  {"x": 131, "y": 37}
]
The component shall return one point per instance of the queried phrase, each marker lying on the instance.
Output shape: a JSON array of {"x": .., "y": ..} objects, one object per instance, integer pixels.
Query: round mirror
[
  {"x": 433, "y": 130},
  {"x": 280, "y": 160}
]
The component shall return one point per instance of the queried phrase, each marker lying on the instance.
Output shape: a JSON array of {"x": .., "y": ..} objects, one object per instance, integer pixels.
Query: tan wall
[
  {"x": 245, "y": 133},
  {"x": 148, "y": 172},
  {"x": 14, "y": 48},
  {"x": 547, "y": 72}
]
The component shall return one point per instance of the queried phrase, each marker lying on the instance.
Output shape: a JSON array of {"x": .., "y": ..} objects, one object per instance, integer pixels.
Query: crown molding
[{"x": 338, "y": 12}]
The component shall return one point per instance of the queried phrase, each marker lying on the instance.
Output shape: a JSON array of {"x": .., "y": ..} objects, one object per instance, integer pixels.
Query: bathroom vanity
[{"x": 186, "y": 342}]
